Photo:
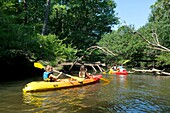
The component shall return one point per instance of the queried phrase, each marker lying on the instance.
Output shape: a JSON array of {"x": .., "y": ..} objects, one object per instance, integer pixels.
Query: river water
[{"x": 114, "y": 93}]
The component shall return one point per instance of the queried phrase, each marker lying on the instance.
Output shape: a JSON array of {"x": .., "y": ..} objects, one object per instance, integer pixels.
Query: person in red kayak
[
  {"x": 120, "y": 68},
  {"x": 83, "y": 72}
]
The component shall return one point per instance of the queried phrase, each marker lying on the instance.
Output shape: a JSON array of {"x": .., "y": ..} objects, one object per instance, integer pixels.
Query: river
[{"x": 134, "y": 93}]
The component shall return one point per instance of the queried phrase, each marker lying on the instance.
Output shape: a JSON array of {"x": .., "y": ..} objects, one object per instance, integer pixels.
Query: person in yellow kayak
[
  {"x": 114, "y": 67},
  {"x": 83, "y": 72},
  {"x": 49, "y": 76}
]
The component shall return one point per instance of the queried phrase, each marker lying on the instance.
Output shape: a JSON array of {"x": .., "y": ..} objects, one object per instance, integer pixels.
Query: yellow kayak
[{"x": 65, "y": 83}]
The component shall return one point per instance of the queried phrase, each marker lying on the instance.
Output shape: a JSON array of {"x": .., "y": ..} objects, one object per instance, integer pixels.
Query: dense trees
[
  {"x": 125, "y": 44},
  {"x": 78, "y": 24},
  {"x": 150, "y": 42},
  {"x": 60, "y": 30},
  {"x": 51, "y": 30},
  {"x": 160, "y": 19},
  {"x": 82, "y": 22}
]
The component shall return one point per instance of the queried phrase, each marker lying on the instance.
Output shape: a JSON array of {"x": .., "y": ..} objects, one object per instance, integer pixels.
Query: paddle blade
[
  {"x": 125, "y": 61},
  {"x": 104, "y": 79},
  {"x": 38, "y": 65}
]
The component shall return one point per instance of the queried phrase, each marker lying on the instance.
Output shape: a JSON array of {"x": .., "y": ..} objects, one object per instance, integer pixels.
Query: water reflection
[
  {"x": 122, "y": 80},
  {"x": 137, "y": 93},
  {"x": 115, "y": 93}
]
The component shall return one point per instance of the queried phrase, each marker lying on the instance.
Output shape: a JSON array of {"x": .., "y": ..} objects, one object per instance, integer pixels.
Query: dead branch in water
[
  {"x": 157, "y": 71},
  {"x": 91, "y": 49}
]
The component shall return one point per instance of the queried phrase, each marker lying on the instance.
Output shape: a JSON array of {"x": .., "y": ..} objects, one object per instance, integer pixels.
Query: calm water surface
[{"x": 114, "y": 93}]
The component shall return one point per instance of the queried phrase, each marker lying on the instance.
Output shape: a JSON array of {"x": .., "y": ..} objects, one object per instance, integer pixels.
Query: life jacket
[{"x": 46, "y": 76}]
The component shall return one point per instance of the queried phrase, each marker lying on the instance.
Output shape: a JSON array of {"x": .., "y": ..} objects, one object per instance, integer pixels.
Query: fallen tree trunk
[
  {"x": 144, "y": 71},
  {"x": 164, "y": 73},
  {"x": 157, "y": 71}
]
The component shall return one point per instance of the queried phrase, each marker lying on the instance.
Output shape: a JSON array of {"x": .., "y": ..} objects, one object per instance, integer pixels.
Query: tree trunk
[
  {"x": 44, "y": 29},
  {"x": 25, "y": 9}
]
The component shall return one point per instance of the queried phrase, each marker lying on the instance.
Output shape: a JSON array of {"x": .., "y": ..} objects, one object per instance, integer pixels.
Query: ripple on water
[{"x": 132, "y": 93}]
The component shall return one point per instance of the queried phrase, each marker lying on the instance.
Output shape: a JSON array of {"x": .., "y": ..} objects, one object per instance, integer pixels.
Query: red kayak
[{"x": 124, "y": 72}]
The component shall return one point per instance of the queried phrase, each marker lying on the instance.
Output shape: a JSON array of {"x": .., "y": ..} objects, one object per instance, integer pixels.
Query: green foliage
[
  {"x": 82, "y": 22},
  {"x": 163, "y": 58},
  {"x": 53, "y": 49},
  {"x": 19, "y": 34},
  {"x": 159, "y": 19},
  {"x": 17, "y": 39},
  {"x": 160, "y": 11},
  {"x": 133, "y": 47},
  {"x": 124, "y": 43}
]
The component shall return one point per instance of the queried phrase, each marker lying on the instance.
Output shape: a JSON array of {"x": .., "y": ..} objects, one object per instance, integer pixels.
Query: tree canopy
[
  {"x": 61, "y": 30},
  {"x": 150, "y": 42},
  {"x": 82, "y": 23}
]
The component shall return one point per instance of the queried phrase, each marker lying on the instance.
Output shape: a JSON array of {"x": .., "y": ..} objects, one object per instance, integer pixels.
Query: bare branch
[
  {"x": 156, "y": 48},
  {"x": 104, "y": 49},
  {"x": 155, "y": 37},
  {"x": 156, "y": 45},
  {"x": 92, "y": 48}
]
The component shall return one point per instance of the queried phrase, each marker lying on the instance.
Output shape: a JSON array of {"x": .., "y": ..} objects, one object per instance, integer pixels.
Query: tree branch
[
  {"x": 155, "y": 45},
  {"x": 92, "y": 48}
]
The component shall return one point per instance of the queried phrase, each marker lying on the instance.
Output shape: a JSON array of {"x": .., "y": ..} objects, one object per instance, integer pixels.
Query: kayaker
[
  {"x": 114, "y": 67},
  {"x": 83, "y": 72},
  {"x": 49, "y": 76},
  {"x": 120, "y": 68}
]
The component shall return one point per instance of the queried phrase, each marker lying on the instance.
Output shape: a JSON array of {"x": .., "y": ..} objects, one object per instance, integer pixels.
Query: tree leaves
[{"x": 82, "y": 22}]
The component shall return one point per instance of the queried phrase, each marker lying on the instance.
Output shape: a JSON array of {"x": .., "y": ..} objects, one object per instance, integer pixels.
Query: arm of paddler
[
  {"x": 56, "y": 77},
  {"x": 73, "y": 77}
]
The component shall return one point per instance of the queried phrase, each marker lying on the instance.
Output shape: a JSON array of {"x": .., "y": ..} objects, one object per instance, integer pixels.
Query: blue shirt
[
  {"x": 46, "y": 75},
  {"x": 120, "y": 67}
]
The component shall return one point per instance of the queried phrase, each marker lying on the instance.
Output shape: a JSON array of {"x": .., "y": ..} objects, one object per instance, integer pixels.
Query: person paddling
[
  {"x": 114, "y": 67},
  {"x": 120, "y": 68},
  {"x": 49, "y": 76},
  {"x": 83, "y": 72}
]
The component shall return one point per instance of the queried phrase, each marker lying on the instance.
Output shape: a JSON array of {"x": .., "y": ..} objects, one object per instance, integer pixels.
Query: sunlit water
[{"x": 114, "y": 93}]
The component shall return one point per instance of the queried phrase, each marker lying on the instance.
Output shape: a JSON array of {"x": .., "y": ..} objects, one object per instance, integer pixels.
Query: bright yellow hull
[{"x": 65, "y": 83}]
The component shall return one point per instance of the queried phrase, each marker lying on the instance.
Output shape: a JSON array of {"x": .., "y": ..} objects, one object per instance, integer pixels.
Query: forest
[{"x": 57, "y": 31}]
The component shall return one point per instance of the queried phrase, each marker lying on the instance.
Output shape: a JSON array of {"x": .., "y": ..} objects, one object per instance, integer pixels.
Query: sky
[{"x": 134, "y": 12}]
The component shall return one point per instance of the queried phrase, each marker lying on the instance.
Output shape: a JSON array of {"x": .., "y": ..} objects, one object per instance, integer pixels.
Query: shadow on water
[{"x": 18, "y": 68}]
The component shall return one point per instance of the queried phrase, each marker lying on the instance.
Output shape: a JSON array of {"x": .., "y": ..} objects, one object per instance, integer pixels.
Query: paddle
[
  {"x": 74, "y": 77},
  {"x": 39, "y": 65},
  {"x": 106, "y": 71},
  {"x": 126, "y": 61}
]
